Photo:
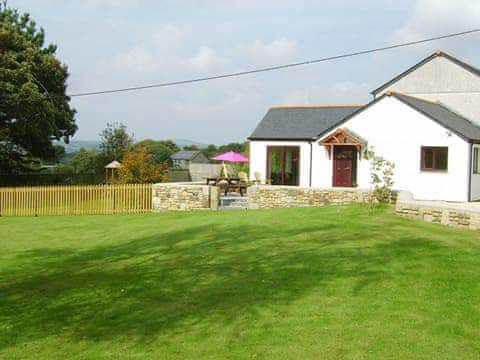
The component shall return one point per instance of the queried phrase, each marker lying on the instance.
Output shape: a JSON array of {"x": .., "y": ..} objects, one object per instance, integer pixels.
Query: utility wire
[{"x": 278, "y": 67}]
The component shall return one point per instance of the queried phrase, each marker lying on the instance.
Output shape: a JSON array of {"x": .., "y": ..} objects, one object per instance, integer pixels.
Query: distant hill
[
  {"x": 76, "y": 145},
  {"x": 184, "y": 142}
]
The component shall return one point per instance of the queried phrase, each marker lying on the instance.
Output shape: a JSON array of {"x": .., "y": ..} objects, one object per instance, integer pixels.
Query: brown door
[
  {"x": 283, "y": 165},
  {"x": 344, "y": 165}
]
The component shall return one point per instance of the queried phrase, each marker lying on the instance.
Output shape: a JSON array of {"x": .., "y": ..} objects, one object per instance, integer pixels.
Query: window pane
[
  {"x": 291, "y": 166},
  {"x": 475, "y": 160},
  {"x": 275, "y": 165},
  {"x": 434, "y": 158},
  {"x": 428, "y": 158},
  {"x": 441, "y": 159}
]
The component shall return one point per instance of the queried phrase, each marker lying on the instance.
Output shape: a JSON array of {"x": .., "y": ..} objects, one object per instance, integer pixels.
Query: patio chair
[{"x": 243, "y": 177}]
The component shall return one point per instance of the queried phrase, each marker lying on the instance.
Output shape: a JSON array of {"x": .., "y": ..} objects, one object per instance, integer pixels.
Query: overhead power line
[{"x": 277, "y": 67}]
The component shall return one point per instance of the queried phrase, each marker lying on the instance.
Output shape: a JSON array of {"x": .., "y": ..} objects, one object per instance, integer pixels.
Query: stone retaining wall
[
  {"x": 183, "y": 196},
  {"x": 198, "y": 196},
  {"x": 460, "y": 215},
  {"x": 268, "y": 197}
]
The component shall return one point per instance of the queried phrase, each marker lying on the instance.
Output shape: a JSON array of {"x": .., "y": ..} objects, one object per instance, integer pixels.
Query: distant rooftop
[{"x": 185, "y": 155}]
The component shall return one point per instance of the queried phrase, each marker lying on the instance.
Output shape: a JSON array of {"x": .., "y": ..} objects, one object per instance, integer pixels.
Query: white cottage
[{"x": 426, "y": 120}]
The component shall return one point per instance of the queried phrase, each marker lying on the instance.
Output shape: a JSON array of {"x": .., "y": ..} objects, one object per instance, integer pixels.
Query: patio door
[
  {"x": 344, "y": 166},
  {"x": 283, "y": 165}
]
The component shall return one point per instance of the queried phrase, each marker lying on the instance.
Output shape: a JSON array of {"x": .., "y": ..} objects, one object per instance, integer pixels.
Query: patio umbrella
[{"x": 230, "y": 156}]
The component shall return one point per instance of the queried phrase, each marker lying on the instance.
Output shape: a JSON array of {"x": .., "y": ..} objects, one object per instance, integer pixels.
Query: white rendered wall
[
  {"x": 397, "y": 133},
  {"x": 258, "y": 158},
  {"x": 475, "y": 183},
  {"x": 443, "y": 80}
]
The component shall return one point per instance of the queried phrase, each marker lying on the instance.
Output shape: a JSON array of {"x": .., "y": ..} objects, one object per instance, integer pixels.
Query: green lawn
[{"x": 314, "y": 283}]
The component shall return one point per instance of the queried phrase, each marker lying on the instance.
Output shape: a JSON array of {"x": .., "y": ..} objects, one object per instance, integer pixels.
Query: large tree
[
  {"x": 115, "y": 141},
  {"x": 34, "y": 107},
  {"x": 160, "y": 150},
  {"x": 86, "y": 162}
]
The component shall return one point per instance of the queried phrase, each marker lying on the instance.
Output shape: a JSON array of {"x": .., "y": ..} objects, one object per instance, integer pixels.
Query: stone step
[
  {"x": 233, "y": 197},
  {"x": 229, "y": 201},
  {"x": 229, "y": 207},
  {"x": 234, "y": 201},
  {"x": 241, "y": 206}
]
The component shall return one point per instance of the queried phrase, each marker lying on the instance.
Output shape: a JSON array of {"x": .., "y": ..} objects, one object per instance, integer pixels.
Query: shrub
[{"x": 138, "y": 167}]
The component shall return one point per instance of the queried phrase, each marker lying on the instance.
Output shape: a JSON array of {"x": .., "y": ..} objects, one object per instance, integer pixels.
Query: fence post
[{"x": 36, "y": 201}]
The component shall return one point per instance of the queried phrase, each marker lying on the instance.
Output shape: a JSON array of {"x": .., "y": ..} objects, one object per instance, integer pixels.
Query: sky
[{"x": 121, "y": 43}]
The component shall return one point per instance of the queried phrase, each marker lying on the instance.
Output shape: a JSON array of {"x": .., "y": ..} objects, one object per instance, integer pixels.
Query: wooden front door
[{"x": 344, "y": 165}]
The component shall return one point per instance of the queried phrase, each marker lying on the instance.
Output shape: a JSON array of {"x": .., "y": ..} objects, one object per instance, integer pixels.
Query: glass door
[{"x": 283, "y": 165}]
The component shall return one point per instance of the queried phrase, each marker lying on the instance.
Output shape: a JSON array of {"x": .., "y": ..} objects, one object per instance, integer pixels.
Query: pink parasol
[{"x": 231, "y": 156}]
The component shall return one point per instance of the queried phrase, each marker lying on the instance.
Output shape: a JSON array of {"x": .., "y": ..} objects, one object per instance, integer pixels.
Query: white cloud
[
  {"x": 137, "y": 61},
  {"x": 260, "y": 53},
  {"x": 433, "y": 17},
  {"x": 170, "y": 54},
  {"x": 205, "y": 60},
  {"x": 150, "y": 60},
  {"x": 167, "y": 56},
  {"x": 110, "y": 3},
  {"x": 169, "y": 37}
]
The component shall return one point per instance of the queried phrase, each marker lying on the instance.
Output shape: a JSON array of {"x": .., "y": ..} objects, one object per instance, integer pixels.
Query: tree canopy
[
  {"x": 86, "y": 162},
  {"x": 160, "y": 150},
  {"x": 34, "y": 107},
  {"x": 115, "y": 142},
  {"x": 139, "y": 167},
  {"x": 212, "y": 150}
]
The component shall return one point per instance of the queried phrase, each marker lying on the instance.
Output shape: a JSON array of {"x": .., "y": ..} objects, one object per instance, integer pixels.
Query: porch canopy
[{"x": 343, "y": 137}]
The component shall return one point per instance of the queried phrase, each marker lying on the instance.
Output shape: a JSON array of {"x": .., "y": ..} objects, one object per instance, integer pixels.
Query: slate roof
[
  {"x": 185, "y": 155},
  {"x": 438, "y": 53},
  {"x": 301, "y": 122},
  {"x": 442, "y": 115}
]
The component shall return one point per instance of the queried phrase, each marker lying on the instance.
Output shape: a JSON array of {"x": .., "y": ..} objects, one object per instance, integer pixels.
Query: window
[
  {"x": 434, "y": 158},
  {"x": 476, "y": 165}
]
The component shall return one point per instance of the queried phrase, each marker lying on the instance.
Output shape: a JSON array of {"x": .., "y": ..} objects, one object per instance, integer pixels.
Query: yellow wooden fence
[{"x": 76, "y": 200}]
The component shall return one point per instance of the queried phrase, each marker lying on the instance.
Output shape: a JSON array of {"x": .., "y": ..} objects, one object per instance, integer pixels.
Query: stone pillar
[{"x": 214, "y": 197}]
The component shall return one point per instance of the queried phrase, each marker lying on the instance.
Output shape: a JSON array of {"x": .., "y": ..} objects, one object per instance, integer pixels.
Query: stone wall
[
  {"x": 198, "y": 196},
  {"x": 183, "y": 196},
  {"x": 268, "y": 197},
  {"x": 460, "y": 215}
]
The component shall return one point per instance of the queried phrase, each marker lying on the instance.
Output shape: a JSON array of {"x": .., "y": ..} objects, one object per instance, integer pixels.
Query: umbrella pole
[{"x": 225, "y": 169}]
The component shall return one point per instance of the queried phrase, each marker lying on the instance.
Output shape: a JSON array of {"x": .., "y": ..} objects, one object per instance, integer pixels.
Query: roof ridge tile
[{"x": 277, "y": 107}]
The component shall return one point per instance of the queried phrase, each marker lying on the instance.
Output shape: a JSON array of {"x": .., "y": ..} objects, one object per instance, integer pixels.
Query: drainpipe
[
  {"x": 470, "y": 172},
  {"x": 311, "y": 161}
]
